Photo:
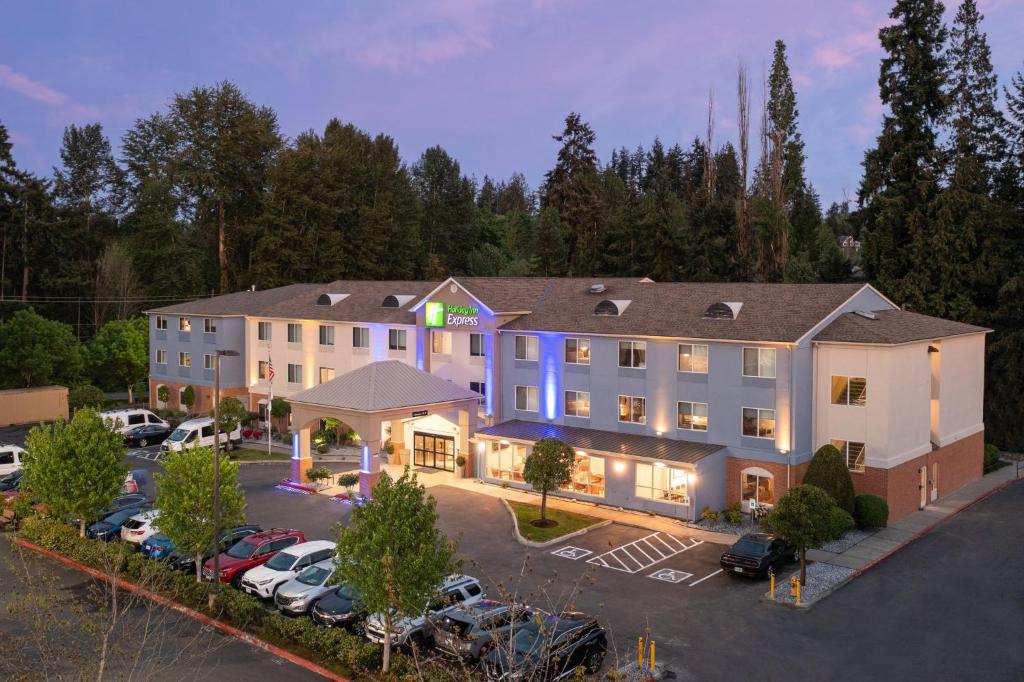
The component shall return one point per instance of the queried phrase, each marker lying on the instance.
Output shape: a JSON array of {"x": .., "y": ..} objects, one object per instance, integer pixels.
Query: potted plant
[
  {"x": 348, "y": 480},
  {"x": 318, "y": 475},
  {"x": 460, "y": 466}
]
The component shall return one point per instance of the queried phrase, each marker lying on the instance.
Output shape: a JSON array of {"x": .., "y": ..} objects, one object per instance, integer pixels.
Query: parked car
[
  {"x": 11, "y": 481},
  {"x": 250, "y": 552},
  {"x": 754, "y": 553},
  {"x": 300, "y": 593},
  {"x": 124, "y": 502},
  {"x": 263, "y": 581},
  {"x": 550, "y": 647},
  {"x": 110, "y": 527},
  {"x": 470, "y": 631},
  {"x": 199, "y": 433},
  {"x": 456, "y": 589},
  {"x": 148, "y": 434},
  {"x": 126, "y": 418},
  {"x": 140, "y": 527},
  {"x": 340, "y": 607},
  {"x": 177, "y": 561},
  {"x": 10, "y": 458}
]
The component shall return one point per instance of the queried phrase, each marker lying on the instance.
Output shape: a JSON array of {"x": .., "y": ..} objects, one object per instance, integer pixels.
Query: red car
[{"x": 251, "y": 551}]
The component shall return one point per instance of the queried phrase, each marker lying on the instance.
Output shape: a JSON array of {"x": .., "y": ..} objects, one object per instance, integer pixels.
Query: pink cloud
[
  {"x": 23, "y": 85},
  {"x": 847, "y": 51},
  {"x": 404, "y": 53}
]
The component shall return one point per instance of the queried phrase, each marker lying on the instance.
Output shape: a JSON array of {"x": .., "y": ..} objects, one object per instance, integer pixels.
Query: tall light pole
[{"x": 216, "y": 470}]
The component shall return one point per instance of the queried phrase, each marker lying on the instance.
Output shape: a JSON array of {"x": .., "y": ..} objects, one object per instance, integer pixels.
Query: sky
[{"x": 490, "y": 81}]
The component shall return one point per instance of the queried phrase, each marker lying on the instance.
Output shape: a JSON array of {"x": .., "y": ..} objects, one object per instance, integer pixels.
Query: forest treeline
[{"x": 208, "y": 196}]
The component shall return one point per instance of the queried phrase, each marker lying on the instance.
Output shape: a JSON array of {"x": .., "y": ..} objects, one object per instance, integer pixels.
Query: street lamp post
[{"x": 216, "y": 470}]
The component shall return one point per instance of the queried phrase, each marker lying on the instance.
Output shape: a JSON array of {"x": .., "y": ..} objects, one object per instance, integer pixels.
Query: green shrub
[
  {"x": 839, "y": 521},
  {"x": 870, "y": 511},
  {"x": 241, "y": 609},
  {"x": 991, "y": 456},
  {"x": 828, "y": 471},
  {"x": 348, "y": 480},
  {"x": 733, "y": 514},
  {"x": 709, "y": 514},
  {"x": 318, "y": 474},
  {"x": 85, "y": 395}
]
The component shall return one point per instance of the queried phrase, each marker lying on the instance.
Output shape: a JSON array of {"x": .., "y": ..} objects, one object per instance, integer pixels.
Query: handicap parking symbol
[
  {"x": 670, "y": 576},
  {"x": 570, "y": 552}
]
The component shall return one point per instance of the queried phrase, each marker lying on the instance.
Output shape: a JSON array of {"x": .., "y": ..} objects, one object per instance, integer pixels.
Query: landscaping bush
[
  {"x": 828, "y": 471},
  {"x": 991, "y": 457},
  {"x": 709, "y": 515},
  {"x": 85, "y": 395},
  {"x": 318, "y": 474},
  {"x": 733, "y": 514},
  {"x": 839, "y": 521},
  {"x": 348, "y": 480},
  {"x": 870, "y": 511},
  {"x": 241, "y": 609}
]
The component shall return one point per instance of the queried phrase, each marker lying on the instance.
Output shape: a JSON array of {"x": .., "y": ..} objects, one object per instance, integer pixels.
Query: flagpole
[{"x": 270, "y": 407}]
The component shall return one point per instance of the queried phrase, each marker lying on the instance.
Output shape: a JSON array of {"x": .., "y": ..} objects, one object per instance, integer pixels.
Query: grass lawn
[
  {"x": 254, "y": 455},
  {"x": 568, "y": 522}
]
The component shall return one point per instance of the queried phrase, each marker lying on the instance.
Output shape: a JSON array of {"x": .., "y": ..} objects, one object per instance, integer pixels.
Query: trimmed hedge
[
  {"x": 839, "y": 521},
  {"x": 828, "y": 471},
  {"x": 870, "y": 511},
  {"x": 991, "y": 461}
]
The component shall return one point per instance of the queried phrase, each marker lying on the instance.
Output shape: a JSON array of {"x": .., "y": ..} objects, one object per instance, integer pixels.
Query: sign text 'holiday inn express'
[{"x": 439, "y": 314}]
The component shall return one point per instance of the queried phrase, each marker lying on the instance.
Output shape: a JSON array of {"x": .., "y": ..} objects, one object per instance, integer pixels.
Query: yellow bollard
[
  {"x": 798, "y": 591},
  {"x": 652, "y": 655},
  {"x": 639, "y": 652},
  {"x": 771, "y": 576}
]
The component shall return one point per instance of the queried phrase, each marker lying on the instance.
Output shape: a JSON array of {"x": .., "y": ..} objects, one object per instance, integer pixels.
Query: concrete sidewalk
[{"x": 884, "y": 542}]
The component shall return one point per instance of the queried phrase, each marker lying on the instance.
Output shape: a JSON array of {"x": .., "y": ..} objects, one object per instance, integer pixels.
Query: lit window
[
  {"x": 632, "y": 409},
  {"x": 526, "y": 348},
  {"x": 326, "y": 374},
  {"x": 760, "y": 489},
  {"x": 527, "y": 398},
  {"x": 693, "y": 358},
  {"x": 852, "y": 452},
  {"x": 758, "y": 423},
  {"x": 506, "y": 461},
  {"x": 263, "y": 331},
  {"x": 161, "y": 322},
  {"x": 326, "y": 335},
  {"x": 661, "y": 483},
  {"x": 161, "y": 356},
  {"x": 577, "y": 351},
  {"x": 184, "y": 359},
  {"x": 587, "y": 476},
  {"x": 476, "y": 345},
  {"x": 692, "y": 416},
  {"x": 207, "y": 361},
  {"x": 294, "y": 374},
  {"x": 440, "y": 342},
  {"x": 633, "y": 354},
  {"x": 209, "y": 325},
  {"x": 849, "y": 391},
  {"x": 360, "y": 337},
  {"x": 294, "y": 333},
  {"x": 577, "y": 404},
  {"x": 184, "y": 324},
  {"x": 759, "y": 362},
  {"x": 396, "y": 339}
]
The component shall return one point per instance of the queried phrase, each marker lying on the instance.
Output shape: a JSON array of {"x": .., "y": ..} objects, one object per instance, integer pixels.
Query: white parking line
[
  {"x": 654, "y": 553},
  {"x": 709, "y": 575}
]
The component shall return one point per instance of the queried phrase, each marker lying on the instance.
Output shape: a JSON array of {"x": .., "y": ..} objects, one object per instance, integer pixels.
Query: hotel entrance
[{"x": 433, "y": 451}]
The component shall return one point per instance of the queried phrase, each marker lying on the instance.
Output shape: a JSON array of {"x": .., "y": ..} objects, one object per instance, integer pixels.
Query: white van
[
  {"x": 198, "y": 432},
  {"x": 10, "y": 458},
  {"x": 127, "y": 418}
]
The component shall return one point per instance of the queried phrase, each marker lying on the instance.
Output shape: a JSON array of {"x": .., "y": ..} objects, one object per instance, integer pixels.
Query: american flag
[{"x": 270, "y": 369}]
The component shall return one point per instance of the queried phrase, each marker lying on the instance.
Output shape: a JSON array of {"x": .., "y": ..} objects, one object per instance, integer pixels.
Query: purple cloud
[{"x": 23, "y": 85}]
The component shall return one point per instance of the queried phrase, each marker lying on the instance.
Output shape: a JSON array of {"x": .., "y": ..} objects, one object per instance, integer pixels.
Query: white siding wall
[{"x": 961, "y": 387}]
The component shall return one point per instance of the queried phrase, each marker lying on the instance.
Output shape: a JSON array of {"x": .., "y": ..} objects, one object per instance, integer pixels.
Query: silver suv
[
  {"x": 455, "y": 590},
  {"x": 470, "y": 631}
]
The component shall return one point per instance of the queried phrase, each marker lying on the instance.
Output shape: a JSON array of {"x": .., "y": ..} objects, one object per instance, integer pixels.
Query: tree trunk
[
  {"x": 386, "y": 666},
  {"x": 131, "y": 399},
  {"x": 222, "y": 256},
  {"x": 543, "y": 506},
  {"x": 81, "y": 528},
  {"x": 803, "y": 566},
  {"x": 199, "y": 568}
]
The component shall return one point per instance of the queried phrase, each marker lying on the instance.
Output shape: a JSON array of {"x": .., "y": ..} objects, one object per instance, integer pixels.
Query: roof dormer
[
  {"x": 396, "y": 300},
  {"x": 722, "y": 311},
  {"x": 610, "y": 308},
  {"x": 330, "y": 299}
]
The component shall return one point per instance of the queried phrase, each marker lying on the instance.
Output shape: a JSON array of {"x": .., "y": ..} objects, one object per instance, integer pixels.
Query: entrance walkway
[{"x": 871, "y": 550}]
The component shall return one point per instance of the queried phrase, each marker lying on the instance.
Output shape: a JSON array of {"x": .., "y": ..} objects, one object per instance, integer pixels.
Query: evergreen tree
[
  {"x": 515, "y": 196},
  {"x": 447, "y": 202},
  {"x": 487, "y": 196},
  {"x": 551, "y": 253}
]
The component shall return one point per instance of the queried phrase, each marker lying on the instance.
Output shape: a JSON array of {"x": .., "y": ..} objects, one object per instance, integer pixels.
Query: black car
[
  {"x": 549, "y": 648},
  {"x": 341, "y": 608},
  {"x": 754, "y": 553},
  {"x": 11, "y": 481},
  {"x": 110, "y": 527},
  {"x": 178, "y": 561},
  {"x": 147, "y": 434}
]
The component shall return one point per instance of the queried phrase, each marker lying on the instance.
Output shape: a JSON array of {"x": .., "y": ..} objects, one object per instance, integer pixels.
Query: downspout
[{"x": 792, "y": 416}]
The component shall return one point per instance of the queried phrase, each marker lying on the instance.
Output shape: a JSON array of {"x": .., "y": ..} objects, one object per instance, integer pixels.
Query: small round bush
[
  {"x": 828, "y": 471},
  {"x": 839, "y": 521},
  {"x": 991, "y": 455},
  {"x": 710, "y": 515},
  {"x": 870, "y": 511},
  {"x": 87, "y": 395}
]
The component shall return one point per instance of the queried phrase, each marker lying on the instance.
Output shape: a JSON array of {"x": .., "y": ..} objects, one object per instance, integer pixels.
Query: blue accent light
[
  {"x": 296, "y": 446},
  {"x": 365, "y": 468},
  {"x": 550, "y": 347},
  {"x": 489, "y": 340}
]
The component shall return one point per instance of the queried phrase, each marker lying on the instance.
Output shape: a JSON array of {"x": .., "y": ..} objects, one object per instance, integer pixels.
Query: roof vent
[
  {"x": 608, "y": 308},
  {"x": 330, "y": 299},
  {"x": 722, "y": 311},
  {"x": 396, "y": 300},
  {"x": 597, "y": 288},
  {"x": 866, "y": 314}
]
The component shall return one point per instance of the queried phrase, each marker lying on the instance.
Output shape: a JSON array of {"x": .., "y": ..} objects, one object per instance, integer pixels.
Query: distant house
[{"x": 849, "y": 245}]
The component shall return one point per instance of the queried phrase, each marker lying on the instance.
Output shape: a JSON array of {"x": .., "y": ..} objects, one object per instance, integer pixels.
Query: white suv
[
  {"x": 140, "y": 527},
  {"x": 10, "y": 459},
  {"x": 264, "y": 580},
  {"x": 456, "y": 590}
]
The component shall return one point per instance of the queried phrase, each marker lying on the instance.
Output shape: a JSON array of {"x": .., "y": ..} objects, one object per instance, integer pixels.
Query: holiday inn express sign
[{"x": 439, "y": 314}]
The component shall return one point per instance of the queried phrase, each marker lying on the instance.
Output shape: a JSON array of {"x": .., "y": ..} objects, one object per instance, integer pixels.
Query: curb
[
  {"x": 552, "y": 541},
  {"x": 805, "y": 606},
  {"x": 191, "y": 613}
]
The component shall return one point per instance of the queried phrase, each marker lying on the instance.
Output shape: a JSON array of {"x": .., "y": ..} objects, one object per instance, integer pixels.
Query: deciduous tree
[
  {"x": 119, "y": 354},
  {"x": 548, "y": 467},
  {"x": 35, "y": 351},
  {"x": 804, "y": 518}
]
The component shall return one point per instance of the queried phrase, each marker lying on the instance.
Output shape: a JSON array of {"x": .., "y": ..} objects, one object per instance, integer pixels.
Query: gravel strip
[
  {"x": 848, "y": 540},
  {"x": 821, "y": 579},
  {"x": 723, "y": 526}
]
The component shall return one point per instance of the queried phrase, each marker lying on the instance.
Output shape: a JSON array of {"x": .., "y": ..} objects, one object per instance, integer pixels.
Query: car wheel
[
  {"x": 236, "y": 582},
  {"x": 594, "y": 660},
  {"x": 143, "y": 442}
]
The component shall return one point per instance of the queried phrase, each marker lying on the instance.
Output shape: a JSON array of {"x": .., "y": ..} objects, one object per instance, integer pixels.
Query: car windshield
[
  {"x": 179, "y": 434},
  {"x": 348, "y": 592},
  {"x": 242, "y": 549},
  {"x": 749, "y": 548},
  {"x": 314, "y": 575},
  {"x": 12, "y": 477},
  {"x": 282, "y": 561},
  {"x": 120, "y": 517},
  {"x": 529, "y": 638}
]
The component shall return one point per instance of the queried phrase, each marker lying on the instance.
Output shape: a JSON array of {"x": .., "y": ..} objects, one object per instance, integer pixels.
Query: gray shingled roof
[
  {"x": 384, "y": 385},
  {"x": 892, "y": 326},
  {"x": 648, "y": 447}
]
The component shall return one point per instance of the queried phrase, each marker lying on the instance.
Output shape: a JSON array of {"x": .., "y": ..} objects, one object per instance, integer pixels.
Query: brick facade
[
  {"x": 204, "y": 396},
  {"x": 734, "y": 467}
]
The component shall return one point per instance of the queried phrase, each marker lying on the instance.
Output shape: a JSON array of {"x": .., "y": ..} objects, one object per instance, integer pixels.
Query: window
[
  {"x": 294, "y": 332},
  {"x": 759, "y": 362},
  {"x": 184, "y": 324},
  {"x": 326, "y": 335},
  {"x": 528, "y": 398},
  {"x": 849, "y": 391},
  {"x": 587, "y": 476},
  {"x": 294, "y": 374},
  {"x": 261, "y": 369},
  {"x": 852, "y": 452},
  {"x": 577, "y": 351},
  {"x": 263, "y": 331},
  {"x": 526, "y": 348},
  {"x": 758, "y": 487},
  {"x": 209, "y": 325},
  {"x": 396, "y": 339},
  {"x": 326, "y": 374},
  {"x": 478, "y": 386},
  {"x": 632, "y": 409},
  {"x": 662, "y": 483},
  {"x": 184, "y": 359},
  {"x": 693, "y": 358},
  {"x": 577, "y": 404},
  {"x": 692, "y": 416},
  {"x": 506, "y": 461},
  {"x": 758, "y": 423},
  {"x": 161, "y": 356},
  {"x": 360, "y": 337},
  {"x": 633, "y": 354},
  {"x": 440, "y": 342},
  {"x": 476, "y": 345},
  {"x": 207, "y": 361},
  {"x": 161, "y": 322}
]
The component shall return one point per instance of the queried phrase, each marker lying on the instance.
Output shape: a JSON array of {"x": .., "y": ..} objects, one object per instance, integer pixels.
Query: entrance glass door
[{"x": 435, "y": 452}]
